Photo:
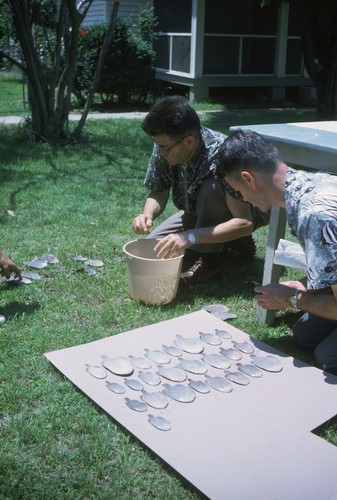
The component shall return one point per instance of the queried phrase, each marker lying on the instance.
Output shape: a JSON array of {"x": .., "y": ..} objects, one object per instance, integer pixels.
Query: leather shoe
[{"x": 199, "y": 273}]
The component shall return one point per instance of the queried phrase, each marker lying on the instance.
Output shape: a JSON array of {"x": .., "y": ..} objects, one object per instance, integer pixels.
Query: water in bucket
[{"x": 151, "y": 280}]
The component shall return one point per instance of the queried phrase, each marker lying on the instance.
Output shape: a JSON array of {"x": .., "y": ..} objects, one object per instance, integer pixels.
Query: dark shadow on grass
[{"x": 15, "y": 309}]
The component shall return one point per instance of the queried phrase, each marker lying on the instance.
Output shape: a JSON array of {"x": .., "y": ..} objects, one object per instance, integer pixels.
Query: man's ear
[{"x": 248, "y": 178}]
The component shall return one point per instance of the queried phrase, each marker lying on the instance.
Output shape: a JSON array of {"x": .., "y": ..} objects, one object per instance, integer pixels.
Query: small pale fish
[
  {"x": 216, "y": 361},
  {"x": 114, "y": 387},
  {"x": 199, "y": 386},
  {"x": 174, "y": 374},
  {"x": 31, "y": 275},
  {"x": 173, "y": 351},
  {"x": 193, "y": 366},
  {"x": 210, "y": 338},
  {"x": 219, "y": 311},
  {"x": 155, "y": 399},
  {"x": 160, "y": 357},
  {"x": 191, "y": 345},
  {"x": 231, "y": 353},
  {"x": 268, "y": 363},
  {"x": 118, "y": 366},
  {"x": 244, "y": 347},
  {"x": 141, "y": 363},
  {"x": 133, "y": 384},
  {"x": 96, "y": 371},
  {"x": 237, "y": 378},
  {"x": 150, "y": 378},
  {"x": 179, "y": 392},
  {"x": 219, "y": 383},
  {"x": 160, "y": 423},
  {"x": 250, "y": 370},
  {"x": 37, "y": 263},
  {"x": 94, "y": 263},
  {"x": 79, "y": 258},
  {"x": 135, "y": 405},
  {"x": 50, "y": 258},
  {"x": 90, "y": 270},
  {"x": 18, "y": 281},
  {"x": 223, "y": 334}
]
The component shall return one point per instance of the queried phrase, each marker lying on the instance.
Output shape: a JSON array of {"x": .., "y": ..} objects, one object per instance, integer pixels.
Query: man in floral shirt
[
  {"x": 252, "y": 166},
  {"x": 210, "y": 213}
]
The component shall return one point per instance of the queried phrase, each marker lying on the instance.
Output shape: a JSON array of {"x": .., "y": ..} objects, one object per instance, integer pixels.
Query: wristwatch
[
  {"x": 294, "y": 300},
  {"x": 191, "y": 237}
]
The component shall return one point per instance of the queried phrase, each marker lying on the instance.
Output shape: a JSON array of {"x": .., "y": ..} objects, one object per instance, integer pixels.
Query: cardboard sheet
[{"x": 255, "y": 442}]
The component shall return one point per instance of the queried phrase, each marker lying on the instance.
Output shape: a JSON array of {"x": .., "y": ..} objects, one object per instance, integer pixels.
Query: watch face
[{"x": 191, "y": 237}]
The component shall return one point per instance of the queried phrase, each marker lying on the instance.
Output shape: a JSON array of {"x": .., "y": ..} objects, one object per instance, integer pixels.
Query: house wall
[{"x": 100, "y": 10}]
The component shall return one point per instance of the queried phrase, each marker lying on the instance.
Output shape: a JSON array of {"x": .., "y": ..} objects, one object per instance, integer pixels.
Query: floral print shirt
[
  {"x": 311, "y": 205},
  {"x": 185, "y": 179}
]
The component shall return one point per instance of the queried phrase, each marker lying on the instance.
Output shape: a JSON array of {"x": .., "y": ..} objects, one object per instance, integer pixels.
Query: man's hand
[
  {"x": 7, "y": 267},
  {"x": 141, "y": 224},
  {"x": 172, "y": 245},
  {"x": 277, "y": 295}
]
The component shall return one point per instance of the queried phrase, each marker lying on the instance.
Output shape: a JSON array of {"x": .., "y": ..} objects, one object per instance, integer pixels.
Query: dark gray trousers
[{"x": 211, "y": 210}]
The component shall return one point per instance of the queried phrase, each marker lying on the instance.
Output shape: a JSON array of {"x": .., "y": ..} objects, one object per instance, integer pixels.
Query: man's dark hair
[
  {"x": 173, "y": 116},
  {"x": 245, "y": 149}
]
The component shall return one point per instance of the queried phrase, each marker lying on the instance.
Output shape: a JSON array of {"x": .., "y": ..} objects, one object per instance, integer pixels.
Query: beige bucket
[{"x": 151, "y": 280}]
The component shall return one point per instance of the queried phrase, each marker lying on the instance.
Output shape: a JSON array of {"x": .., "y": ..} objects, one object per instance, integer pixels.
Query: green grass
[{"x": 55, "y": 442}]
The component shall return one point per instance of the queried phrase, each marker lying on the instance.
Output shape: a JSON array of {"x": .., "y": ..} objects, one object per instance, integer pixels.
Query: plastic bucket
[{"x": 151, "y": 280}]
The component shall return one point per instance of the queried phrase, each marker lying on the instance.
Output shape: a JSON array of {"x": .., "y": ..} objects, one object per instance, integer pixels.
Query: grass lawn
[{"x": 56, "y": 444}]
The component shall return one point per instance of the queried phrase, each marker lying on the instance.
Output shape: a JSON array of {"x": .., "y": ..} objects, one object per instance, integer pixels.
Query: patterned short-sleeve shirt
[
  {"x": 311, "y": 205},
  {"x": 185, "y": 179}
]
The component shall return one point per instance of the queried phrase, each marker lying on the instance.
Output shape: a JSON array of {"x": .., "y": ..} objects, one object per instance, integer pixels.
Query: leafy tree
[
  {"x": 42, "y": 40},
  {"x": 318, "y": 20}
]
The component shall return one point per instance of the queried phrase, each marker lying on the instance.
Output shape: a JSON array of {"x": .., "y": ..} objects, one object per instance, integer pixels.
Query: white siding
[{"x": 100, "y": 10}]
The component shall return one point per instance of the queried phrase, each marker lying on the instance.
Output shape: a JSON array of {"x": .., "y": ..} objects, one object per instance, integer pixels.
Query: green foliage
[{"x": 128, "y": 71}]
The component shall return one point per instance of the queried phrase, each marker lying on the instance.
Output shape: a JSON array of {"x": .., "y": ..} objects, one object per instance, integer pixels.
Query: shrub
[{"x": 128, "y": 71}]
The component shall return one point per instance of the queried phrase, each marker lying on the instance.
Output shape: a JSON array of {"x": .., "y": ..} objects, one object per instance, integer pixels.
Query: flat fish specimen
[
  {"x": 96, "y": 371},
  {"x": 223, "y": 334},
  {"x": 179, "y": 392},
  {"x": 175, "y": 374},
  {"x": 193, "y": 366},
  {"x": 90, "y": 270},
  {"x": 50, "y": 258},
  {"x": 94, "y": 262},
  {"x": 118, "y": 366},
  {"x": 244, "y": 347},
  {"x": 160, "y": 357},
  {"x": 251, "y": 370},
  {"x": 114, "y": 387},
  {"x": 136, "y": 405},
  {"x": 133, "y": 384},
  {"x": 231, "y": 353},
  {"x": 37, "y": 263},
  {"x": 237, "y": 378},
  {"x": 173, "y": 351},
  {"x": 219, "y": 311},
  {"x": 210, "y": 338},
  {"x": 155, "y": 399},
  {"x": 191, "y": 345},
  {"x": 160, "y": 423},
  {"x": 219, "y": 383},
  {"x": 141, "y": 363},
  {"x": 217, "y": 361},
  {"x": 79, "y": 258},
  {"x": 150, "y": 378},
  {"x": 268, "y": 363},
  {"x": 199, "y": 386},
  {"x": 31, "y": 275},
  {"x": 19, "y": 281}
]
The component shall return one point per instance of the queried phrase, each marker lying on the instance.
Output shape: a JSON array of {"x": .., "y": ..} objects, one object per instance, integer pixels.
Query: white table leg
[{"x": 271, "y": 272}]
